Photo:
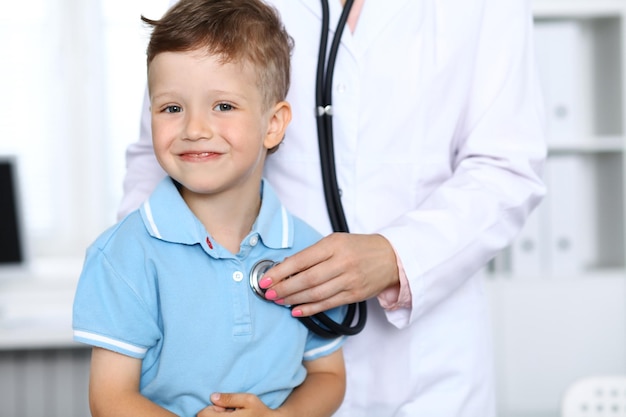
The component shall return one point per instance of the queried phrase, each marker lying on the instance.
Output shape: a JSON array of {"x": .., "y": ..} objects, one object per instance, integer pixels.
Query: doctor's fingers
[
  {"x": 341, "y": 268},
  {"x": 296, "y": 264},
  {"x": 319, "y": 293},
  {"x": 361, "y": 267},
  {"x": 305, "y": 286},
  {"x": 324, "y": 297}
]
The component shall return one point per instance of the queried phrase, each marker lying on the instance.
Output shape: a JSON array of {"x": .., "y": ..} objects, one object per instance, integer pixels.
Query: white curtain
[{"x": 72, "y": 78}]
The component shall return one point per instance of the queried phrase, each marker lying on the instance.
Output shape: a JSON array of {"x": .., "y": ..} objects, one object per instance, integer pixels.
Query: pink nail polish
[
  {"x": 271, "y": 295},
  {"x": 280, "y": 301},
  {"x": 296, "y": 313},
  {"x": 265, "y": 282}
]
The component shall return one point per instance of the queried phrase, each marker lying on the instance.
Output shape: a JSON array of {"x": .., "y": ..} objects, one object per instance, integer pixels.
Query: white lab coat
[{"x": 439, "y": 146}]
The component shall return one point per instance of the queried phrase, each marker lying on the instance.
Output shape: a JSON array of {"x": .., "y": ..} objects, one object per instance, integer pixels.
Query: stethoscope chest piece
[
  {"x": 256, "y": 274},
  {"x": 320, "y": 323}
]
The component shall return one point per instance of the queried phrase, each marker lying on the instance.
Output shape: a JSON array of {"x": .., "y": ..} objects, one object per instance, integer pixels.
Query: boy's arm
[
  {"x": 319, "y": 395},
  {"x": 114, "y": 387},
  {"x": 322, "y": 391}
]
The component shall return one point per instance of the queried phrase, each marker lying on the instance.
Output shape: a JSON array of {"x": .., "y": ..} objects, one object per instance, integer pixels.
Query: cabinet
[{"x": 558, "y": 293}]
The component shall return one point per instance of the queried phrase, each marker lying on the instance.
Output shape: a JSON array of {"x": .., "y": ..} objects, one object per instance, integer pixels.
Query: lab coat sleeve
[
  {"x": 496, "y": 158},
  {"x": 398, "y": 296},
  {"x": 143, "y": 172}
]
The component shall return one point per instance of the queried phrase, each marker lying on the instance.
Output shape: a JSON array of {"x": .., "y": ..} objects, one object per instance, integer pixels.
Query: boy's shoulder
[{"x": 129, "y": 229}]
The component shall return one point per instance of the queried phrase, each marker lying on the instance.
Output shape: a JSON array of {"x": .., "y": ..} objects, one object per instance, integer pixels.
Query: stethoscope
[{"x": 320, "y": 323}]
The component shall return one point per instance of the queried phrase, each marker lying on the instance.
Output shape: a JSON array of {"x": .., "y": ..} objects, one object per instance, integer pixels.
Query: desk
[{"x": 36, "y": 305}]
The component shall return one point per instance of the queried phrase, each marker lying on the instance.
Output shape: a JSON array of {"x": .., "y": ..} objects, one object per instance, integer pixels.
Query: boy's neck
[{"x": 228, "y": 216}]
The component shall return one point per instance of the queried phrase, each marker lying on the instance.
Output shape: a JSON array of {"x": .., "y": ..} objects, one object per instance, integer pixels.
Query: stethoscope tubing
[
  {"x": 323, "y": 99},
  {"x": 320, "y": 323}
]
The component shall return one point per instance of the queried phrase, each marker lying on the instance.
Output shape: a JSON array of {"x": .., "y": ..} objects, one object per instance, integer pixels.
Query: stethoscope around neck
[{"x": 320, "y": 323}]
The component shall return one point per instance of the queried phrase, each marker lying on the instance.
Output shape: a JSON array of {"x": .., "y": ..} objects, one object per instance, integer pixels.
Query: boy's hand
[{"x": 239, "y": 405}]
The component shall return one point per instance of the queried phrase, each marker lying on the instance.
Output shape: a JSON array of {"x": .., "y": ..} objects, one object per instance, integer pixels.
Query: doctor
[{"x": 439, "y": 147}]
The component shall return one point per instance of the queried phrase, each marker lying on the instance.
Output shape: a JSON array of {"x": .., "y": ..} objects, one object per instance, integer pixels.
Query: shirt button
[
  {"x": 237, "y": 276},
  {"x": 254, "y": 240}
]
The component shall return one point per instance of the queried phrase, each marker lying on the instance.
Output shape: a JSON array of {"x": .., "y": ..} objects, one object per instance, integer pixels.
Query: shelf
[
  {"x": 579, "y": 228},
  {"x": 577, "y": 278},
  {"x": 577, "y": 8},
  {"x": 606, "y": 144},
  {"x": 558, "y": 293},
  {"x": 36, "y": 305}
]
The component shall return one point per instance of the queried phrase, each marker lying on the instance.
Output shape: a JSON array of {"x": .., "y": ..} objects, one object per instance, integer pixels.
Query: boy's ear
[{"x": 279, "y": 120}]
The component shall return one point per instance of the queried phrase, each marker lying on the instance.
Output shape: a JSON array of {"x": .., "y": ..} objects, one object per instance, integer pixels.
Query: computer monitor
[{"x": 12, "y": 246}]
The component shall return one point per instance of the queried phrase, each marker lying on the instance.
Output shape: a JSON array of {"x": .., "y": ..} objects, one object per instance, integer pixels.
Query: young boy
[{"x": 164, "y": 295}]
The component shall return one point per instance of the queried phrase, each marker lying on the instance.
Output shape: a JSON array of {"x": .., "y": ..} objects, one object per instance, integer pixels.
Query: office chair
[{"x": 596, "y": 396}]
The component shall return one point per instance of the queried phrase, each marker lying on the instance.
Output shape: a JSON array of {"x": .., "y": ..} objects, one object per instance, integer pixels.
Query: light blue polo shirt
[{"x": 157, "y": 287}]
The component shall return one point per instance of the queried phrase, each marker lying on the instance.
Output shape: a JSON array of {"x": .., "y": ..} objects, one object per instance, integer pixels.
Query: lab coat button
[
  {"x": 237, "y": 276},
  {"x": 341, "y": 88}
]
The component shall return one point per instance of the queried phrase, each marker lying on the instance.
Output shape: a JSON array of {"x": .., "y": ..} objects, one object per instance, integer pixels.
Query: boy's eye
[
  {"x": 173, "y": 109},
  {"x": 223, "y": 107}
]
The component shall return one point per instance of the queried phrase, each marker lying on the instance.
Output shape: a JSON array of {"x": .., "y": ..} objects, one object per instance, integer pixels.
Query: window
[{"x": 72, "y": 82}]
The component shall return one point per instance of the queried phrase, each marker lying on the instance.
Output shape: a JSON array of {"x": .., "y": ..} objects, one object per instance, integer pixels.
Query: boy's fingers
[{"x": 230, "y": 401}]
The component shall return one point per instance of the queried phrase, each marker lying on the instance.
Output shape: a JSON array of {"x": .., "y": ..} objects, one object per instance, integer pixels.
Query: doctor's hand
[{"x": 340, "y": 269}]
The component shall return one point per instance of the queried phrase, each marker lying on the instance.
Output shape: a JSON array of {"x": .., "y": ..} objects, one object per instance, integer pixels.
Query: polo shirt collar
[
  {"x": 274, "y": 224},
  {"x": 167, "y": 217}
]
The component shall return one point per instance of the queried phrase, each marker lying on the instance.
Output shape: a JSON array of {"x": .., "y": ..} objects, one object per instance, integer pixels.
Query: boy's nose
[{"x": 198, "y": 127}]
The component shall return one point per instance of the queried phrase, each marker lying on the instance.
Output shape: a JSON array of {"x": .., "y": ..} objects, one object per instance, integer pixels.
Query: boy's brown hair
[{"x": 239, "y": 31}]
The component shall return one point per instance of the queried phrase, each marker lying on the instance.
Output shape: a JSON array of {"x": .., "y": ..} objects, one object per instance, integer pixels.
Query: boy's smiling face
[{"x": 210, "y": 127}]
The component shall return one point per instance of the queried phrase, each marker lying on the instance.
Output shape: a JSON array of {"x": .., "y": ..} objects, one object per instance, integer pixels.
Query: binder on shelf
[
  {"x": 568, "y": 204},
  {"x": 530, "y": 248},
  {"x": 559, "y": 62}
]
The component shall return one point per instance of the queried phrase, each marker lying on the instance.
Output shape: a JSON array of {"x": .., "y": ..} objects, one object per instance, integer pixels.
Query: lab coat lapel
[
  {"x": 315, "y": 6},
  {"x": 375, "y": 16},
  {"x": 335, "y": 8}
]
